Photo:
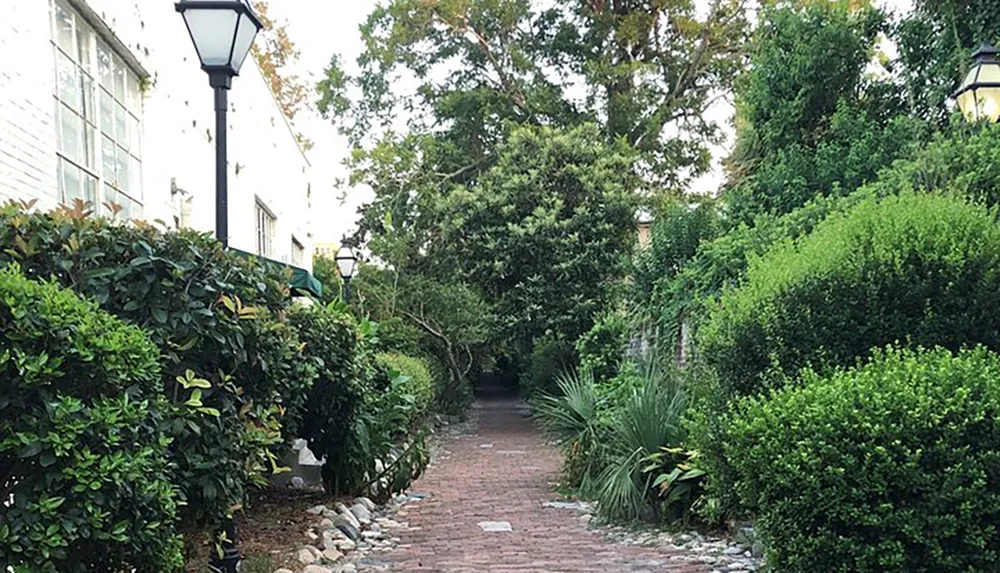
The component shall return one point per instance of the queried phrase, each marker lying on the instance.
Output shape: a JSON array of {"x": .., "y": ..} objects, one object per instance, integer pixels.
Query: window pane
[
  {"x": 108, "y": 160},
  {"x": 121, "y": 132},
  {"x": 64, "y": 29},
  {"x": 119, "y": 80},
  {"x": 70, "y": 179},
  {"x": 122, "y": 160},
  {"x": 89, "y": 156},
  {"x": 87, "y": 95},
  {"x": 134, "y": 135},
  {"x": 135, "y": 181},
  {"x": 90, "y": 189},
  {"x": 84, "y": 39},
  {"x": 110, "y": 197},
  {"x": 134, "y": 98},
  {"x": 105, "y": 66},
  {"x": 68, "y": 82},
  {"x": 107, "y": 113},
  {"x": 71, "y": 134}
]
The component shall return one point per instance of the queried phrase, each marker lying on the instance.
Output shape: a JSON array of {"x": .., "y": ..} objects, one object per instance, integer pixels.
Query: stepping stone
[
  {"x": 495, "y": 526},
  {"x": 511, "y": 452},
  {"x": 485, "y": 446}
]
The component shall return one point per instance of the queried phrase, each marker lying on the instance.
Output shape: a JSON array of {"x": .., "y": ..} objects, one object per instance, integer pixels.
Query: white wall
[{"x": 178, "y": 125}]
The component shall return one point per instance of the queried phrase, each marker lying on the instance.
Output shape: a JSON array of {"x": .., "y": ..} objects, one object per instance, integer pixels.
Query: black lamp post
[
  {"x": 346, "y": 262},
  {"x": 222, "y": 32},
  {"x": 979, "y": 95}
]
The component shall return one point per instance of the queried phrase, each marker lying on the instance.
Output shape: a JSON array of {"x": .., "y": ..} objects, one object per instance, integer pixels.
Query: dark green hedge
[
  {"x": 923, "y": 269},
  {"x": 217, "y": 319},
  {"x": 82, "y": 455},
  {"x": 893, "y": 467}
]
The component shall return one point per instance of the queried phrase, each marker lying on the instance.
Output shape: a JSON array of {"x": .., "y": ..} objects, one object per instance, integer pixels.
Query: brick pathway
[{"x": 503, "y": 471}]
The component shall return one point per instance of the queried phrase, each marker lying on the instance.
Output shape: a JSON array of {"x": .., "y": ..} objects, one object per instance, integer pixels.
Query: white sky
[{"x": 321, "y": 28}]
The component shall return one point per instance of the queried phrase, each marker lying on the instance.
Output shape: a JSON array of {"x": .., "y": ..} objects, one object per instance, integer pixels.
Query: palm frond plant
[
  {"x": 649, "y": 420},
  {"x": 573, "y": 419}
]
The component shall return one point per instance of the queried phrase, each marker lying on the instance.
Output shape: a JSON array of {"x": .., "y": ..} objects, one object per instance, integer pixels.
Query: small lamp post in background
[
  {"x": 346, "y": 263},
  {"x": 223, "y": 32},
  {"x": 979, "y": 95}
]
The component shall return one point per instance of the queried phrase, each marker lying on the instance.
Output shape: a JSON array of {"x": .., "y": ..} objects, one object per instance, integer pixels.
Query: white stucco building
[{"x": 104, "y": 100}]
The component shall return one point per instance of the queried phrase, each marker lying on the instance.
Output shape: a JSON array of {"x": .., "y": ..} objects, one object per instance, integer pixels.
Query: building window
[
  {"x": 298, "y": 252},
  {"x": 266, "y": 222},
  {"x": 98, "y": 118}
]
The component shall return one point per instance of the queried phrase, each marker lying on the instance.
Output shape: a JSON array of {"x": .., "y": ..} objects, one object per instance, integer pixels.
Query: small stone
[
  {"x": 282, "y": 570},
  {"x": 316, "y": 569},
  {"x": 309, "y": 554},
  {"x": 350, "y": 531},
  {"x": 297, "y": 482},
  {"x": 316, "y": 510},
  {"x": 312, "y": 536},
  {"x": 371, "y": 535},
  {"x": 585, "y": 518},
  {"x": 732, "y": 550},
  {"x": 495, "y": 526},
  {"x": 347, "y": 568},
  {"x": 369, "y": 504},
  {"x": 331, "y": 554},
  {"x": 362, "y": 514},
  {"x": 347, "y": 518},
  {"x": 345, "y": 545}
]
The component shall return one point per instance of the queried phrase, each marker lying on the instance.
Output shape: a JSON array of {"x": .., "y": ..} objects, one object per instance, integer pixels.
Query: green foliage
[
  {"x": 809, "y": 121},
  {"x": 414, "y": 380},
  {"x": 335, "y": 400},
  {"x": 230, "y": 365},
  {"x": 543, "y": 232},
  {"x": 889, "y": 467},
  {"x": 442, "y": 319},
  {"x": 921, "y": 269},
  {"x": 550, "y": 358},
  {"x": 326, "y": 272},
  {"x": 83, "y": 468},
  {"x": 573, "y": 417},
  {"x": 648, "y": 420},
  {"x": 601, "y": 350}
]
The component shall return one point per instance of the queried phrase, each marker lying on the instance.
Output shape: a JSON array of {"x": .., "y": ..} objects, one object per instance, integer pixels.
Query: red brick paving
[{"x": 509, "y": 481}]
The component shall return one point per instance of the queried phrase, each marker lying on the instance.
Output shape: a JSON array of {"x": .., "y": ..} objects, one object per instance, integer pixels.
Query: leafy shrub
[
  {"x": 549, "y": 358},
  {"x": 216, "y": 318},
  {"x": 914, "y": 268},
  {"x": 335, "y": 400},
  {"x": 602, "y": 348},
  {"x": 82, "y": 459},
  {"x": 647, "y": 421},
  {"x": 889, "y": 467},
  {"x": 573, "y": 416},
  {"x": 416, "y": 380}
]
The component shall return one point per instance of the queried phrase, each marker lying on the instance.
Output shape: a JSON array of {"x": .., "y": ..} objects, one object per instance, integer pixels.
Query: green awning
[{"x": 302, "y": 280}]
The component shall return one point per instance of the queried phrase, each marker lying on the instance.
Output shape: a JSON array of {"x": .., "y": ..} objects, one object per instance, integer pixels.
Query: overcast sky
[{"x": 322, "y": 28}]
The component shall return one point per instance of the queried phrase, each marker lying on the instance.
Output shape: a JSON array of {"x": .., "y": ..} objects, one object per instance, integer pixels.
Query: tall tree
[
  {"x": 810, "y": 121},
  {"x": 275, "y": 53}
]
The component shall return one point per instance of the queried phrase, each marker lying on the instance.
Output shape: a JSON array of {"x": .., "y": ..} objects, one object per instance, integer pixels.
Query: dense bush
[
  {"x": 83, "y": 469},
  {"x": 602, "y": 349},
  {"x": 417, "y": 381},
  {"x": 894, "y": 466},
  {"x": 915, "y": 268},
  {"x": 331, "y": 412},
  {"x": 549, "y": 358},
  {"x": 216, "y": 318}
]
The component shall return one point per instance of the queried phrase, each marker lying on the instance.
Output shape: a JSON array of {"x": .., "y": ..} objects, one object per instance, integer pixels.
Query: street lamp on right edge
[
  {"x": 979, "y": 95},
  {"x": 346, "y": 262}
]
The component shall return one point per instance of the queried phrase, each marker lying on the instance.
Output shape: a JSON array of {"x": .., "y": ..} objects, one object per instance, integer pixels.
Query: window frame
[
  {"x": 298, "y": 252},
  {"x": 265, "y": 227},
  {"x": 118, "y": 135}
]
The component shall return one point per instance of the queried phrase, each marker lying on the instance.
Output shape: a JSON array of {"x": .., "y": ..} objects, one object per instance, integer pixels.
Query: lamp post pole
[{"x": 221, "y": 82}]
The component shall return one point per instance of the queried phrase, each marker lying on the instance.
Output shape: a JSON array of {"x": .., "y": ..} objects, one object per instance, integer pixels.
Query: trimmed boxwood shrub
[
  {"x": 330, "y": 415},
  {"x": 417, "y": 381},
  {"x": 923, "y": 269},
  {"x": 892, "y": 467},
  {"x": 83, "y": 470},
  {"x": 217, "y": 320}
]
